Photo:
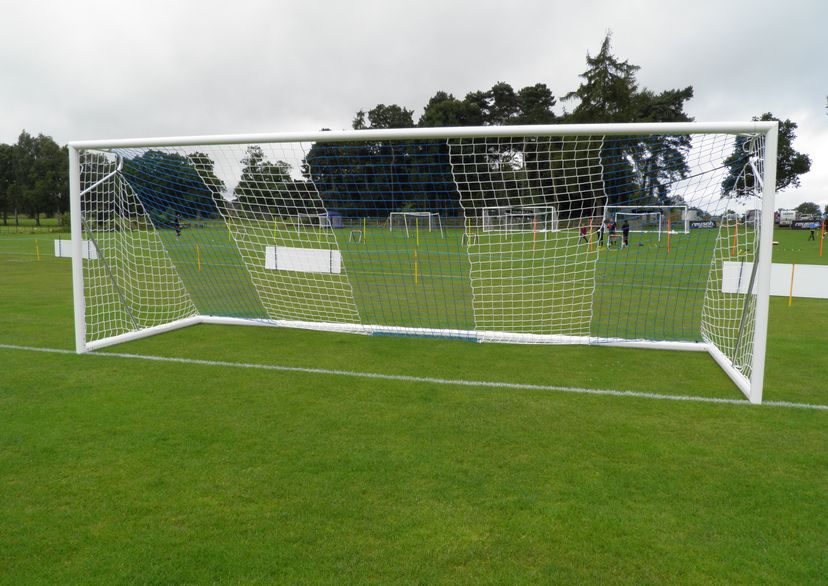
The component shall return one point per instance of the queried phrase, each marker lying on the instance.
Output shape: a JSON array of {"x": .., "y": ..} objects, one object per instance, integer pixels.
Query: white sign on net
[
  {"x": 63, "y": 248},
  {"x": 303, "y": 260},
  {"x": 786, "y": 279}
]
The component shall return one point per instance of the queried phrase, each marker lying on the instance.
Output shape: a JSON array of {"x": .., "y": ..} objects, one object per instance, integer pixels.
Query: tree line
[
  {"x": 34, "y": 178},
  {"x": 633, "y": 168}
]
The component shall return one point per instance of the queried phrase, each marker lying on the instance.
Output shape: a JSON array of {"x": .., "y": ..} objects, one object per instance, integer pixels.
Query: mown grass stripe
[{"x": 423, "y": 379}]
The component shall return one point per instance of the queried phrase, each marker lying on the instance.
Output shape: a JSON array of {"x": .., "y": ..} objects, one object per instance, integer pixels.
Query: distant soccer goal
[
  {"x": 507, "y": 238},
  {"x": 311, "y": 221},
  {"x": 408, "y": 222},
  {"x": 519, "y": 219},
  {"x": 649, "y": 219}
]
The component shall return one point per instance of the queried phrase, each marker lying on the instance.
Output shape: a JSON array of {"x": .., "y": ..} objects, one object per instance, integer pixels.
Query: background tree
[
  {"x": 808, "y": 208},
  {"x": 265, "y": 187},
  {"x": 443, "y": 109},
  {"x": 40, "y": 177},
  {"x": 790, "y": 163},
  {"x": 534, "y": 104},
  {"x": 382, "y": 116},
  {"x": 169, "y": 184},
  {"x": 501, "y": 105},
  {"x": 609, "y": 93},
  {"x": 205, "y": 167},
  {"x": 6, "y": 179}
]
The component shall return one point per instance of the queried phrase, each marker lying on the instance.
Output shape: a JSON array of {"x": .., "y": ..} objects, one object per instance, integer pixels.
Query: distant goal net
[
  {"x": 519, "y": 219},
  {"x": 649, "y": 219},
  {"x": 491, "y": 234}
]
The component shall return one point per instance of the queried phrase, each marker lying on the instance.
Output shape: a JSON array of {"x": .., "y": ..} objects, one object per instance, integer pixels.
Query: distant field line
[{"x": 421, "y": 379}]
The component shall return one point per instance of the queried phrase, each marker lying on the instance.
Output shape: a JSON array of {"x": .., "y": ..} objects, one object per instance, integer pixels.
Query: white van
[{"x": 787, "y": 217}]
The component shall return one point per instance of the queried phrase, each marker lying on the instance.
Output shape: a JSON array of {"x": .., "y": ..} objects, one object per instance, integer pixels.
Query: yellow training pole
[
  {"x": 37, "y": 250},
  {"x": 534, "y": 232},
  {"x": 821, "y": 237},
  {"x": 735, "y": 237},
  {"x": 790, "y": 293},
  {"x": 416, "y": 269},
  {"x": 417, "y": 230},
  {"x": 198, "y": 257},
  {"x": 364, "y": 230},
  {"x": 668, "y": 234}
]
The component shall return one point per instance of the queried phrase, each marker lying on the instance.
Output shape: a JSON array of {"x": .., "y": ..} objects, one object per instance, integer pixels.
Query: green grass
[
  {"x": 117, "y": 470},
  {"x": 794, "y": 247},
  {"x": 27, "y": 225},
  {"x": 520, "y": 283}
]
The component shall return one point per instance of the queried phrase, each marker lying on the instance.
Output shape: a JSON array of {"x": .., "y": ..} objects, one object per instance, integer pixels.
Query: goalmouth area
[{"x": 511, "y": 247}]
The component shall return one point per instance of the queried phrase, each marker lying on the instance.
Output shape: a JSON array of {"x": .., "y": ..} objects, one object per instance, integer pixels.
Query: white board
[
  {"x": 303, "y": 260},
  {"x": 63, "y": 249},
  {"x": 808, "y": 280}
]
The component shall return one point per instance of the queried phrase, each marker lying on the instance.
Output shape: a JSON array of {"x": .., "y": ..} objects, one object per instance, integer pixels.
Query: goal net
[{"x": 304, "y": 231}]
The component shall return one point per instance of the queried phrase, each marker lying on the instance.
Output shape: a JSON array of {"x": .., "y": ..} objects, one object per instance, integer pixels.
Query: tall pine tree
[{"x": 609, "y": 92}]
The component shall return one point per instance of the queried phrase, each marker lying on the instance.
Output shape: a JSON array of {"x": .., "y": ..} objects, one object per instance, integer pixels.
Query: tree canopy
[
  {"x": 790, "y": 163},
  {"x": 808, "y": 208},
  {"x": 169, "y": 183},
  {"x": 34, "y": 177}
]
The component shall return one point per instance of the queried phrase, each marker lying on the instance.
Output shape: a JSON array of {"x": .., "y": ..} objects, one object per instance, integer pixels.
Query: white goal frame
[
  {"x": 641, "y": 210},
  {"x": 320, "y": 222},
  {"x": 752, "y": 387},
  {"x": 506, "y": 215},
  {"x": 432, "y": 219}
]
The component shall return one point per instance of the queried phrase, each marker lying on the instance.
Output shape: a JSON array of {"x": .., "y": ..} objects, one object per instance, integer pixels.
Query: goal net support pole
[
  {"x": 754, "y": 387},
  {"x": 132, "y": 277}
]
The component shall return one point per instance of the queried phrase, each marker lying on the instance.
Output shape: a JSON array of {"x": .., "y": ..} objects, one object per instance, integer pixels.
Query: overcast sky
[{"x": 86, "y": 69}]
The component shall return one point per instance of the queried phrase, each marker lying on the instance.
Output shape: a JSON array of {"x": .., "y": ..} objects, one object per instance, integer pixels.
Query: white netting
[
  {"x": 132, "y": 284},
  {"x": 527, "y": 276},
  {"x": 497, "y": 238}
]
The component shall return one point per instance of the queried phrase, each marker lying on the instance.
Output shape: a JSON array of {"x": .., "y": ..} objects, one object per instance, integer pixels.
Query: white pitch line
[{"x": 423, "y": 379}]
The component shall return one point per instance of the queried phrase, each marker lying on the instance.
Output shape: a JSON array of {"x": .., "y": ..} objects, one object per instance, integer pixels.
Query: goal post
[{"x": 260, "y": 246}]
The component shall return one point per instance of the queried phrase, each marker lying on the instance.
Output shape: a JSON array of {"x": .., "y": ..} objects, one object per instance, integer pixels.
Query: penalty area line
[{"x": 422, "y": 379}]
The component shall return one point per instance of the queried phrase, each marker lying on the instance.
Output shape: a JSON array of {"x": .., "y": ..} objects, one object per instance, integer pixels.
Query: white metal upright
[
  {"x": 77, "y": 249},
  {"x": 760, "y": 339}
]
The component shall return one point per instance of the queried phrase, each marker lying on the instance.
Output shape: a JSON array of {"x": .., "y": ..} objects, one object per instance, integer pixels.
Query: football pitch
[{"x": 218, "y": 454}]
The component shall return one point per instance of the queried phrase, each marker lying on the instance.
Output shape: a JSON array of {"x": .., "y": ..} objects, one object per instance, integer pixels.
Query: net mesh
[
  {"x": 133, "y": 283},
  {"x": 495, "y": 239}
]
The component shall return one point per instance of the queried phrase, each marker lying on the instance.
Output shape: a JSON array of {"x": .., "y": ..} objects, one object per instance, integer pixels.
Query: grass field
[
  {"x": 549, "y": 284},
  {"x": 27, "y": 225},
  {"x": 117, "y": 469}
]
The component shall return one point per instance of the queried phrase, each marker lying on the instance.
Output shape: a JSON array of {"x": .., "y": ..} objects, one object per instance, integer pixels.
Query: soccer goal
[
  {"x": 655, "y": 220},
  {"x": 311, "y": 221},
  {"x": 265, "y": 252},
  {"x": 519, "y": 219},
  {"x": 409, "y": 222}
]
